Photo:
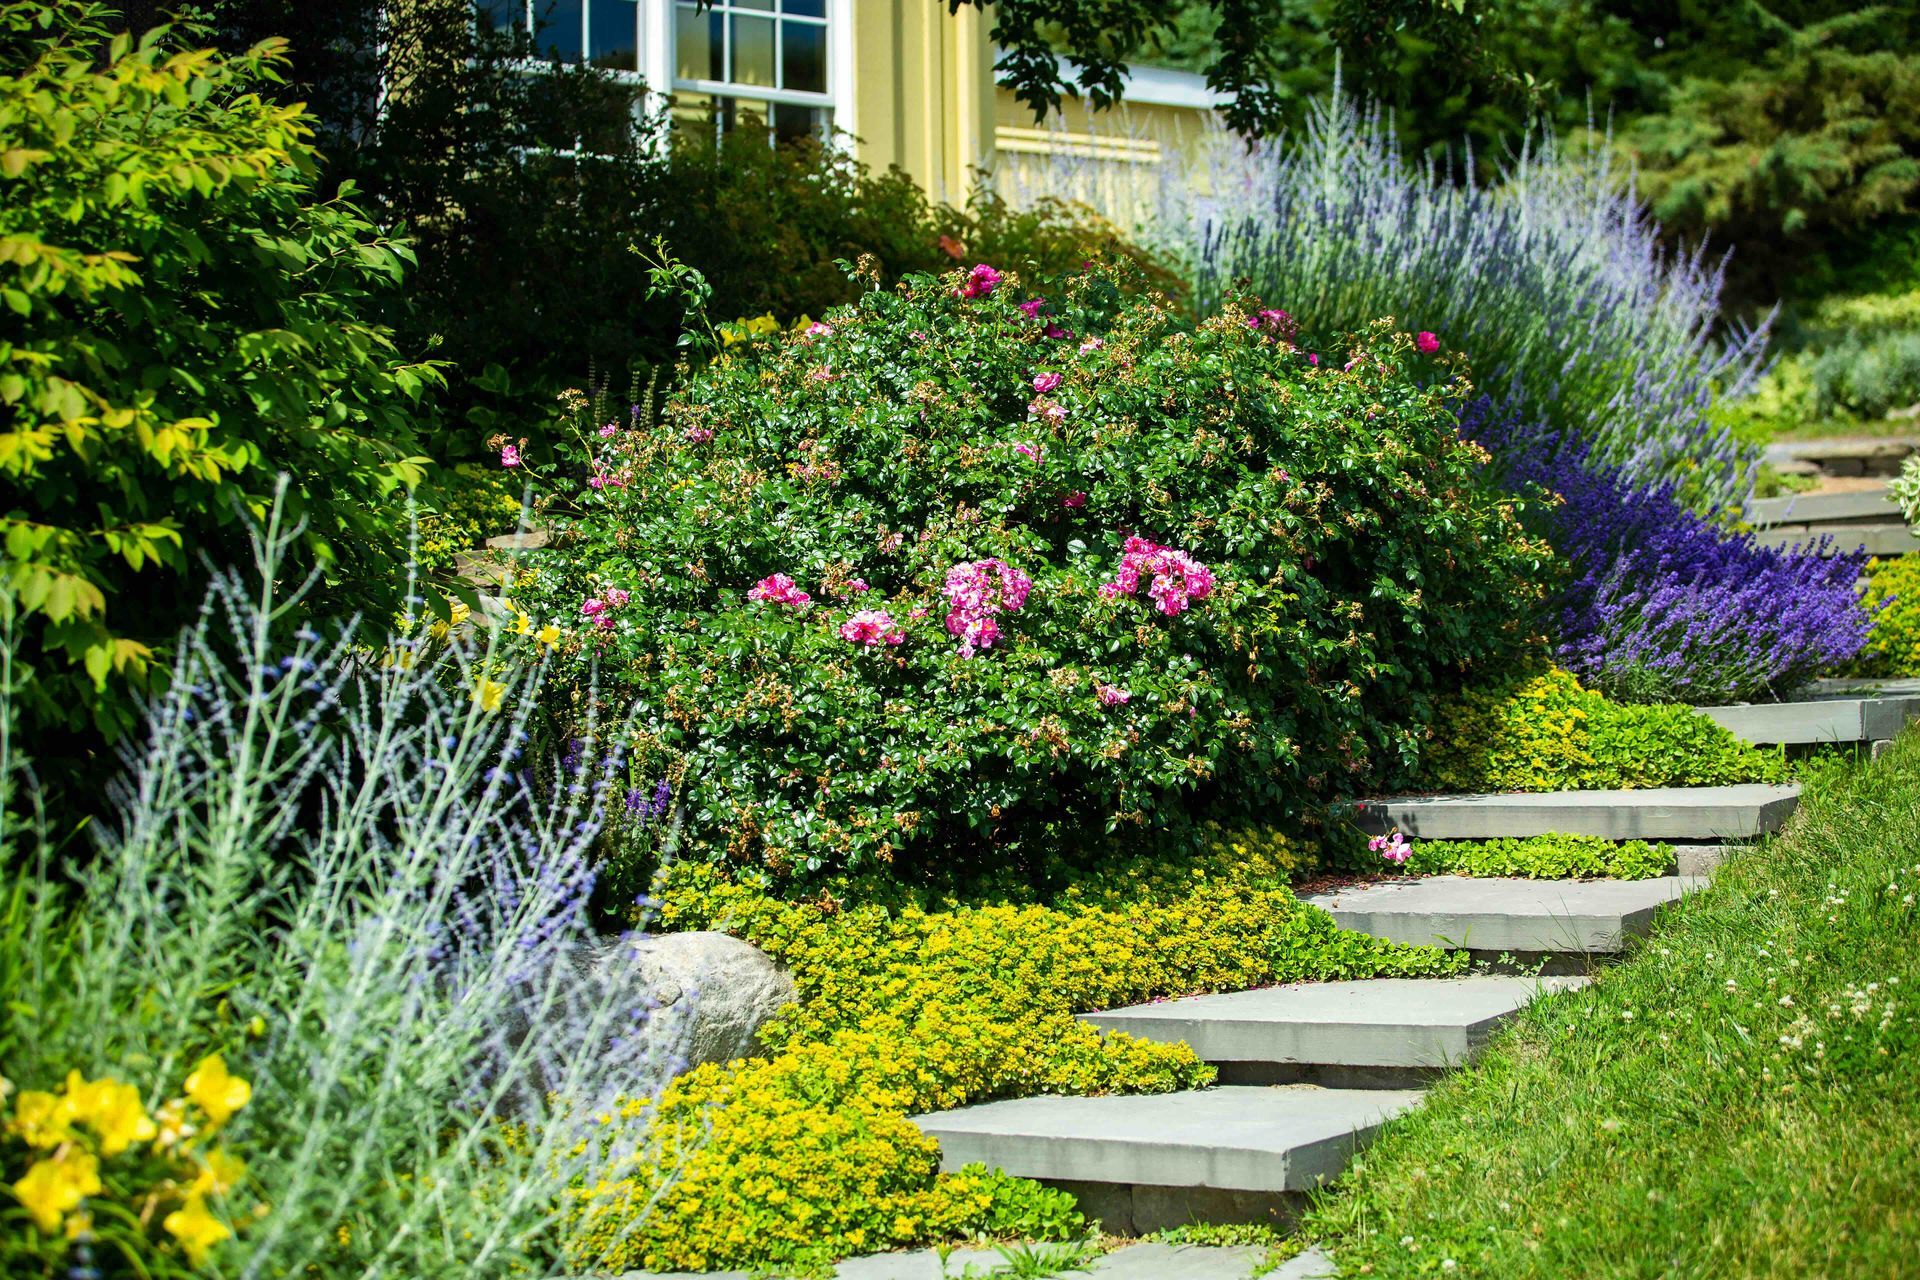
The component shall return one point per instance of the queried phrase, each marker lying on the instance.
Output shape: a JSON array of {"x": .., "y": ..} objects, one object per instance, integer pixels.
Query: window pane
[
  {"x": 503, "y": 13},
  {"x": 791, "y": 122},
  {"x": 805, "y": 47},
  {"x": 765, "y": 6},
  {"x": 697, "y": 39},
  {"x": 557, "y": 29},
  {"x": 752, "y": 51},
  {"x": 805, "y": 8},
  {"x": 613, "y": 33}
]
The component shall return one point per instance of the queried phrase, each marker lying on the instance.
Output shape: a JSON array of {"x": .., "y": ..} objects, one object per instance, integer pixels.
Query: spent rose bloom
[
  {"x": 1112, "y": 695},
  {"x": 818, "y": 330},
  {"x": 699, "y": 435},
  {"x": 609, "y": 431},
  {"x": 1033, "y": 307},
  {"x": 1074, "y": 501},
  {"x": 1055, "y": 331},
  {"x": 1426, "y": 342},
  {"x": 1028, "y": 450},
  {"x": 778, "y": 588},
  {"x": 1045, "y": 382},
  {"x": 1091, "y": 344},
  {"x": 871, "y": 627},
  {"x": 509, "y": 456}
]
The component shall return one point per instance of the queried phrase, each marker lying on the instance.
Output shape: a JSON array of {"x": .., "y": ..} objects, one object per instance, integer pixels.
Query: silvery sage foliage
[
  {"x": 1552, "y": 281},
  {"x": 330, "y": 864}
]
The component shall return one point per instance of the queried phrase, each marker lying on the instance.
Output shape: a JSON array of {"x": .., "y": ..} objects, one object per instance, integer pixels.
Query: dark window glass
[
  {"x": 503, "y": 13},
  {"x": 806, "y": 8},
  {"x": 613, "y": 33},
  {"x": 557, "y": 29},
  {"x": 805, "y": 47},
  {"x": 792, "y": 122}
]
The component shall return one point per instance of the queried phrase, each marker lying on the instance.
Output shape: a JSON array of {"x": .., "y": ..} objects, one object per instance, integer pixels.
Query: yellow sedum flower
[
  {"x": 218, "y": 1093},
  {"x": 196, "y": 1228},
  {"x": 111, "y": 1109},
  {"x": 57, "y": 1184}
]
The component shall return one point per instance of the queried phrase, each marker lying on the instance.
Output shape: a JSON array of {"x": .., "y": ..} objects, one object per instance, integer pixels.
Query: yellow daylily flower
[
  {"x": 111, "y": 1109},
  {"x": 219, "y": 1174},
  {"x": 522, "y": 624},
  {"x": 488, "y": 693},
  {"x": 549, "y": 636},
  {"x": 41, "y": 1119},
  {"x": 197, "y": 1230},
  {"x": 57, "y": 1184},
  {"x": 218, "y": 1093}
]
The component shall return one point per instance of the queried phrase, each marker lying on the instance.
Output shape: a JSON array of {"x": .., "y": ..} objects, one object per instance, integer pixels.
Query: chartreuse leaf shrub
[
  {"x": 186, "y": 320},
  {"x": 1893, "y": 597},
  {"x": 975, "y": 571},
  {"x": 807, "y": 1155},
  {"x": 1551, "y": 857},
  {"x": 1546, "y": 733}
]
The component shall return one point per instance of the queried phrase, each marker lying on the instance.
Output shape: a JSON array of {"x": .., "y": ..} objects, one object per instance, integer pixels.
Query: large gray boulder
[{"x": 711, "y": 990}]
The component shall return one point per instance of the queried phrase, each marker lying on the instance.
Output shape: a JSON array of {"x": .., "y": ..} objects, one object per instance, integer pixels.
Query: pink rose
[
  {"x": 1426, "y": 342},
  {"x": 1091, "y": 344},
  {"x": 1112, "y": 695},
  {"x": 1046, "y": 382},
  {"x": 1074, "y": 501},
  {"x": 980, "y": 282},
  {"x": 778, "y": 588},
  {"x": 871, "y": 627},
  {"x": 509, "y": 456}
]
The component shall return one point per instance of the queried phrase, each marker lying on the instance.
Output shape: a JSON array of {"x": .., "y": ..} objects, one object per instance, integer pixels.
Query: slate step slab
[
  {"x": 1817, "y": 719},
  {"x": 1890, "y": 539},
  {"x": 1817, "y": 508},
  {"x": 1380, "y": 1022},
  {"x": 1737, "y": 812},
  {"x": 1498, "y": 914},
  {"x": 1148, "y": 1260},
  {"x": 1287, "y": 1138}
]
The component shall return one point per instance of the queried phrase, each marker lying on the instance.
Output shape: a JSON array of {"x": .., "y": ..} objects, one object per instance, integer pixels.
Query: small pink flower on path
[{"x": 1394, "y": 848}]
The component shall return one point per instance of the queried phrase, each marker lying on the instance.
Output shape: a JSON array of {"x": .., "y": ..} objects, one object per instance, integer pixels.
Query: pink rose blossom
[
  {"x": 1112, "y": 695},
  {"x": 592, "y": 607},
  {"x": 609, "y": 431},
  {"x": 1033, "y": 307},
  {"x": 597, "y": 480},
  {"x": 1313, "y": 357},
  {"x": 1055, "y": 413},
  {"x": 857, "y": 585},
  {"x": 1074, "y": 501},
  {"x": 778, "y": 589},
  {"x": 1426, "y": 342},
  {"x": 1394, "y": 848},
  {"x": 980, "y": 282},
  {"x": 699, "y": 435},
  {"x": 818, "y": 330},
  {"x": 1055, "y": 331},
  {"x": 509, "y": 456},
  {"x": 977, "y": 592},
  {"x": 616, "y": 597},
  {"x": 1045, "y": 382},
  {"x": 871, "y": 627},
  {"x": 1177, "y": 578},
  {"x": 1273, "y": 321},
  {"x": 1028, "y": 450},
  {"x": 1091, "y": 344}
]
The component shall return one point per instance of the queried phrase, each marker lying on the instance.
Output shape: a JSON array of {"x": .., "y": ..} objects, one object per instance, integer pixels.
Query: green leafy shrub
[
  {"x": 1893, "y": 594},
  {"x": 1547, "y": 733},
  {"x": 807, "y": 1155},
  {"x": 1868, "y": 376},
  {"x": 187, "y": 322},
  {"x": 1550, "y": 857},
  {"x": 1212, "y": 577}
]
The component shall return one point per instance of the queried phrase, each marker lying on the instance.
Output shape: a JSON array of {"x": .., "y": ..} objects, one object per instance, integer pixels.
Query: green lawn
[{"x": 1739, "y": 1098}]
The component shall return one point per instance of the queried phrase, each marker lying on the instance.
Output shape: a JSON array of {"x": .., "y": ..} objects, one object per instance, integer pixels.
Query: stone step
[
  {"x": 1817, "y": 508},
  {"x": 1891, "y": 539},
  {"x": 1495, "y": 915},
  {"x": 1401, "y": 1024},
  {"x": 1147, "y": 1260},
  {"x": 1819, "y": 719},
  {"x": 1736, "y": 812},
  {"x": 1141, "y": 1163}
]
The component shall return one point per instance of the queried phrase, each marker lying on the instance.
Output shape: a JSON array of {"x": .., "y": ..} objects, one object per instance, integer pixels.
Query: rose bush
[{"x": 971, "y": 572}]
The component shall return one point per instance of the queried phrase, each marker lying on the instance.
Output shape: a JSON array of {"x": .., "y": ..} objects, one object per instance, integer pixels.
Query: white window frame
[{"x": 656, "y": 25}]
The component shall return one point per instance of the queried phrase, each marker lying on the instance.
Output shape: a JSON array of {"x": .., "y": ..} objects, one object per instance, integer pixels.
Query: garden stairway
[{"x": 1311, "y": 1072}]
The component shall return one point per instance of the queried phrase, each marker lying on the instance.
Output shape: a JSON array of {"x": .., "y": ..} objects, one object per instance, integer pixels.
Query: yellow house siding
[{"x": 924, "y": 84}]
